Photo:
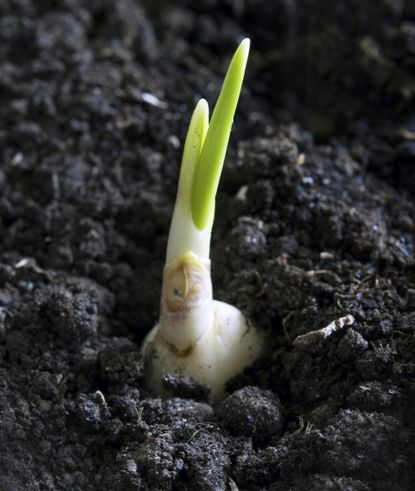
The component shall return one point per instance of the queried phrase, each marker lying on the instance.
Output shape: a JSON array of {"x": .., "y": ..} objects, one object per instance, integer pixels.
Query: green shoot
[
  {"x": 192, "y": 148},
  {"x": 202, "y": 163},
  {"x": 209, "y": 165}
]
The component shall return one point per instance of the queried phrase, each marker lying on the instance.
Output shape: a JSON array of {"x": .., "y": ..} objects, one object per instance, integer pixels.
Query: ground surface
[{"x": 316, "y": 223}]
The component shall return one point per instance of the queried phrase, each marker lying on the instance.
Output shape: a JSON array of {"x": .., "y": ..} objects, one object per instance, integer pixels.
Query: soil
[{"x": 315, "y": 223}]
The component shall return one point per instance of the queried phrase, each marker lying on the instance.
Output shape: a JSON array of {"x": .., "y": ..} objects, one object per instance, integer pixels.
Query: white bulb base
[{"x": 223, "y": 351}]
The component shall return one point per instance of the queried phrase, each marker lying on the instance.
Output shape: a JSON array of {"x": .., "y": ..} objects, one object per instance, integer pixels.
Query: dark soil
[{"x": 315, "y": 222}]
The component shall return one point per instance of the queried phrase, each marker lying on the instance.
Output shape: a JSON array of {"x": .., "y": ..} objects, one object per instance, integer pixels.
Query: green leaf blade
[
  {"x": 193, "y": 145},
  {"x": 210, "y": 163}
]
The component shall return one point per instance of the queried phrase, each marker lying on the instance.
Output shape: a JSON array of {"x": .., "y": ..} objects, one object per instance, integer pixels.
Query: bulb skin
[{"x": 186, "y": 307}]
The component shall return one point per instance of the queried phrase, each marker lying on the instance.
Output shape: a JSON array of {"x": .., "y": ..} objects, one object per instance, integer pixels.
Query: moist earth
[{"x": 314, "y": 228}]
